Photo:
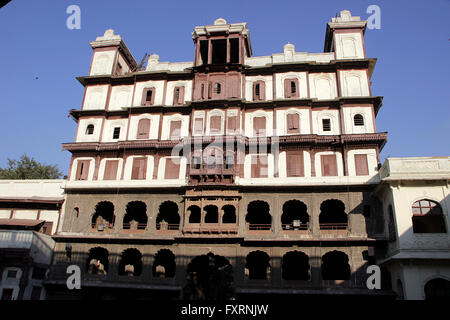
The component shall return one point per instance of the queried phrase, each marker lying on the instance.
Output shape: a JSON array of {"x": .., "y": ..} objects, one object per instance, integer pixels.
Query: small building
[
  {"x": 30, "y": 212},
  {"x": 416, "y": 205}
]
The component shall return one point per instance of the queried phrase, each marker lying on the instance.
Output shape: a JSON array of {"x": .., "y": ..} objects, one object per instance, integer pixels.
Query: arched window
[
  {"x": 335, "y": 266},
  {"x": 164, "y": 265},
  {"x": 211, "y": 214},
  {"x": 258, "y": 216},
  {"x": 103, "y": 217},
  {"x": 427, "y": 217},
  {"x": 295, "y": 216},
  {"x": 358, "y": 120},
  {"x": 168, "y": 216},
  {"x": 194, "y": 213},
  {"x": 229, "y": 214},
  {"x": 131, "y": 263},
  {"x": 97, "y": 261},
  {"x": 90, "y": 129},
  {"x": 257, "y": 265},
  {"x": 332, "y": 215},
  {"x": 295, "y": 266},
  {"x": 136, "y": 216},
  {"x": 437, "y": 288},
  {"x": 143, "y": 129}
]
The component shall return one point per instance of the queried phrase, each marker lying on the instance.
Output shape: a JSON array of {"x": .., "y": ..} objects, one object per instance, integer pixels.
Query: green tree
[{"x": 27, "y": 168}]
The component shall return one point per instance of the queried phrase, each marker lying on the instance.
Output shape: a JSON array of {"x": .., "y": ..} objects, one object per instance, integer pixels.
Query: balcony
[
  {"x": 210, "y": 228},
  {"x": 211, "y": 174}
]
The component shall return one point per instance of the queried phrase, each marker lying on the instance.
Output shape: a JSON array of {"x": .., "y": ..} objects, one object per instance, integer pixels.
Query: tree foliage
[{"x": 27, "y": 168}]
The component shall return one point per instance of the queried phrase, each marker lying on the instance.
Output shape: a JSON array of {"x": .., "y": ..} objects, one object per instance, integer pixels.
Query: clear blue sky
[{"x": 412, "y": 72}]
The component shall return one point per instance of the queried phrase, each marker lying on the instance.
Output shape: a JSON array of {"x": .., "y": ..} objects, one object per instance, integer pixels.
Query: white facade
[{"x": 415, "y": 258}]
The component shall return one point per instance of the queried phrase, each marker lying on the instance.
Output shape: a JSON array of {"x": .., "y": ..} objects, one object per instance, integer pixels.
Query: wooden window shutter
[
  {"x": 83, "y": 169},
  {"x": 172, "y": 170},
  {"x": 262, "y": 90},
  {"x": 215, "y": 124},
  {"x": 361, "y": 166},
  {"x": 256, "y": 91},
  {"x": 181, "y": 96},
  {"x": 198, "y": 126},
  {"x": 287, "y": 88},
  {"x": 148, "y": 96},
  {"x": 143, "y": 129},
  {"x": 259, "y": 166},
  {"x": 293, "y": 123},
  {"x": 259, "y": 125},
  {"x": 233, "y": 84},
  {"x": 139, "y": 168},
  {"x": 329, "y": 165},
  {"x": 175, "y": 130},
  {"x": 294, "y": 88},
  {"x": 178, "y": 95},
  {"x": 232, "y": 124},
  {"x": 111, "y": 169},
  {"x": 294, "y": 165}
]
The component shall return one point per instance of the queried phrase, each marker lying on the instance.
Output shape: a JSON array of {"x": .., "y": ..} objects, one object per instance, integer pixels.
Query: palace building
[{"x": 227, "y": 176}]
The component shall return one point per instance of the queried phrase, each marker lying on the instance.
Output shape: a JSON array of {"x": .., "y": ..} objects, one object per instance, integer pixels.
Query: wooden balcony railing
[{"x": 221, "y": 169}]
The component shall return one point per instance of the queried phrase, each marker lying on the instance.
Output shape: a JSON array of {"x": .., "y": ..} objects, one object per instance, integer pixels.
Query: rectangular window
[
  {"x": 259, "y": 126},
  {"x": 326, "y": 124},
  {"x": 175, "y": 130},
  {"x": 291, "y": 88},
  {"x": 116, "y": 133},
  {"x": 259, "y": 91},
  {"x": 361, "y": 166},
  {"x": 178, "y": 96},
  {"x": 172, "y": 170},
  {"x": 11, "y": 274},
  {"x": 232, "y": 124},
  {"x": 329, "y": 165},
  {"x": 139, "y": 169},
  {"x": 111, "y": 169},
  {"x": 198, "y": 126},
  {"x": 215, "y": 124},
  {"x": 260, "y": 166},
  {"x": 148, "y": 96},
  {"x": 293, "y": 123},
  {"x": 294, "y": 164},
  {"x": 82, "y": 169}
]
